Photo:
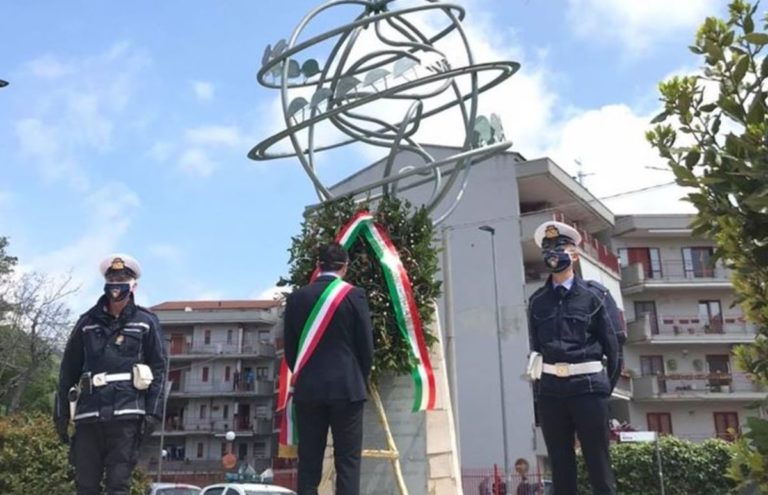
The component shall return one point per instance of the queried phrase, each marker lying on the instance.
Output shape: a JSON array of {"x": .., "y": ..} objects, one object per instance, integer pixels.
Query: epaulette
[{"x": 596, "y": 285}]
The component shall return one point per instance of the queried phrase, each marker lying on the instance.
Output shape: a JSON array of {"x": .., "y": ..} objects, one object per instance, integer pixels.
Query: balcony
[
  {"x": 695, "y": 387},
  {"x": 690, "y": 330},
  {"x": 190, "y": 388},
  {"x": 249, "y": 349},
  {"x": 673, "y": 274},
  {"x": 218, "y": 427},
  {"x": 623, "y": 389}
]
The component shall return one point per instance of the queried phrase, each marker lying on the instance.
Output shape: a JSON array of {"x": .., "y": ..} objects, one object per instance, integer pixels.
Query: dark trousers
[
  {"x": 109, "y": 446},
  {"x": 346, "y": 422},
  {"x": 587, "y": 417}
]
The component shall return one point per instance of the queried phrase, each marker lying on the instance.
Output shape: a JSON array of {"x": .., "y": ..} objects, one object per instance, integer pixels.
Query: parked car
[
  {"x": 246, "y": 489},
  {"x": 173, "y": 489}
]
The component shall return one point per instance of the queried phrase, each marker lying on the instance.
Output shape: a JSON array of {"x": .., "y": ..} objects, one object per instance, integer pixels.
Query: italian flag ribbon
[
  {"x": 313, "y": 331},
  {"x": 406, "y": 315}
]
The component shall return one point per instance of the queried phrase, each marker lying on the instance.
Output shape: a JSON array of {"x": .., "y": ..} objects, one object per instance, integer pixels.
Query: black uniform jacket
[
  {"x": 102, "y": 343},
  {"x": 341, "y": 363},
  {"x": 582, "y": 326}
]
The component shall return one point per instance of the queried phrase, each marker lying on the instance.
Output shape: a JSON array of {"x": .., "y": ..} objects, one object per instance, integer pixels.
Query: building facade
[
  {"x": 221, "y": 378},
  {"x": 682, "y": 326}
]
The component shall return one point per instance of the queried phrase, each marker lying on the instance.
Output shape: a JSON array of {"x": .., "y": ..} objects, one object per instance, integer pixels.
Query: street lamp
[{"x": 492, "y": 231}]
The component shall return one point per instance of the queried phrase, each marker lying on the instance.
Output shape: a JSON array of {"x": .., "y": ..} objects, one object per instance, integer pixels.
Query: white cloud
[
  {"x": 195, "y": 161},
  {"x": 637, "y": 24},
  {"x": 203, "y": 90},
  {"x": 161, "y": 151},
  {"x": 48, "y": 67},
  {"x": 271, "y": 293},
  {"x": 215, "y": 135},
  {"x": 165, "y": 252}
]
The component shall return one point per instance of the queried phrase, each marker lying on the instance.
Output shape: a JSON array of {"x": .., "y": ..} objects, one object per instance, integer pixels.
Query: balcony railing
[
  {"x": 249, "y": 347},
  {"x": 198, "y": 386},
  {"x": 682, "y": 385},
  {"x": 671, "y": 326},
  {"x": 673, "y": 271},
  {"x": 257, "y": 426}
]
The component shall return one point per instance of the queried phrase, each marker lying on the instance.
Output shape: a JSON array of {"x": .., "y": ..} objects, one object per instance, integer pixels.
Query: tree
[
  {"x": 7, "y": 263},
  {"x": 38, "y": 324},
  {"x": 714, "y": 133}
]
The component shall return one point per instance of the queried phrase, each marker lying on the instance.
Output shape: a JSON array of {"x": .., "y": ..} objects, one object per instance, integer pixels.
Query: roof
[{"x": 216, "y": 305}]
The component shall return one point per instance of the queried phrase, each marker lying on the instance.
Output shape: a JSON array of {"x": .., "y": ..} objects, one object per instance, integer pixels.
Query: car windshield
[{"x": 178, "y": 491}]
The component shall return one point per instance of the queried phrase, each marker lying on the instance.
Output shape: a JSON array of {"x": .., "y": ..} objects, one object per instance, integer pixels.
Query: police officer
[
  {"x": 111, "y": 382},
  {"x": 574, "y": 328}
]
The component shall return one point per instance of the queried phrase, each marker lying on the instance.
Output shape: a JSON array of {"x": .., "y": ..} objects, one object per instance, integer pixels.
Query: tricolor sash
[
  {"x": 406, "y": 315},
  {"x": 313, "y": 331}
]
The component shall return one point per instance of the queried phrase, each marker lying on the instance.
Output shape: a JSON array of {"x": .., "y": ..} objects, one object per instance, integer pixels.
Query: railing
[
  {"x": 644, "y": 327},
  {"x": 251, "y": 347},
  {"x": 673, "y": 271},
  {"x": 693, "y": 384},
  {"x": 492, "y": 482},
  {"x": 258, "y": 426},
  {"x": 624, "y": 384},
  {"x": 198, "y": 386}
]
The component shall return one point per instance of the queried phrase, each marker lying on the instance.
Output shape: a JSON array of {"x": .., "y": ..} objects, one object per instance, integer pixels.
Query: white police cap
[
  {"x": 553, "y": 229},
  {"x": 118, "y": 262}
]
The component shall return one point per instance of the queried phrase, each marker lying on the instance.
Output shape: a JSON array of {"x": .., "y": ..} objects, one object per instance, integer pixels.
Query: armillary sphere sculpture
[{"x": 397, "y": 66}]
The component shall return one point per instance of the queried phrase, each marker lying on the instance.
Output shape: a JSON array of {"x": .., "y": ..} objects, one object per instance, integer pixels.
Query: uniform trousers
[
  {"x": 586, "y": 416},
  {"x": 345, "y": 420},
  {"x": 110, "y": 446}
]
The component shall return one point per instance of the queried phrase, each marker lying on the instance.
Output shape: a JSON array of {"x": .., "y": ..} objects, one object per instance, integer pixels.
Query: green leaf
[
  {"x": 714, "y": 51},
  {"x": 749, "y": 24},
  {"x": 660, "y": 118},
  {"x": 757, "y": 38},
  {"x": 684, "y": 176},
  {"x": 692, "y": 159},
  {"x": 756, "y": 112},
  {"x": 764, "y": 67},
  {"x": 708, "y": 107},
  {"x": 740, "y": 69},
  {"x": 731, "y": 107}
]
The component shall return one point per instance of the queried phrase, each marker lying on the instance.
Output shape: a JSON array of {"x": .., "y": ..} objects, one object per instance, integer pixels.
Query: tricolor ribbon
[{"x": 406, "y": 315}]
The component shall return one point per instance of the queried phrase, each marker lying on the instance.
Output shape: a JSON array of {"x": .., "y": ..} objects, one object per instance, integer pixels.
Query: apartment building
[
  {"x": 513, "y": 196},
  {"x": 222, "y": 377},
  {"x": 682, "y": 326}
]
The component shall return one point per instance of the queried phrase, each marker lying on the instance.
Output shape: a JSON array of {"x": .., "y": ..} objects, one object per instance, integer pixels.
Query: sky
[{"x": 126, "y": 125}]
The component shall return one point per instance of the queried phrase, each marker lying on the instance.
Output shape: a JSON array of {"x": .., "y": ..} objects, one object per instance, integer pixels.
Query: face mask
[
  {"x": 557, "y": 260},
  {"x": 118, "y": 291}
]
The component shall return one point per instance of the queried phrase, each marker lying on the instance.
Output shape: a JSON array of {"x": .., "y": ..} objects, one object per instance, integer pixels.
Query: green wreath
[{"x": 412, "y": 233}]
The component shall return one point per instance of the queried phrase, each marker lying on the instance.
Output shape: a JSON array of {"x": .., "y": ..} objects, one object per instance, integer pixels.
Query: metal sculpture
[{"x": 383, "y": 63}]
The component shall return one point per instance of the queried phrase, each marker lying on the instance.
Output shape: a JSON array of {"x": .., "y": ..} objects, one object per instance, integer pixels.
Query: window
[
  {"x": 229, "y": 336},
  {"x": 726, "y": 425},
  {"x": 649, "y": 258},
  {"x": 207, "y": 337},
  {"x": 697, "y": 262},
  {"x": 225, "y": 412},
  {"x": 203, "y": 411},
  {"x": 648, "y": 308},
  {"x": 226, "y": 374},
  {"x": 264, "y": 337},
  {"x": 653, "y": 366},
  {"x": 262, "y": 372},
  {"x": 711, "y": 315},
  {"x": 661, "y": 423},
  {"x": 223, "y": 449},
  {"x": 719, "y": 371},
  {"x": 259, "y": 449},
  {"x": 205, "y": 373},
  {"x": 199, "y": 450}
]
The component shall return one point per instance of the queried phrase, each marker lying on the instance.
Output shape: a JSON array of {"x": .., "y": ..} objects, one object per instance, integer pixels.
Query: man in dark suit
[{"x": 331, "y": 389}]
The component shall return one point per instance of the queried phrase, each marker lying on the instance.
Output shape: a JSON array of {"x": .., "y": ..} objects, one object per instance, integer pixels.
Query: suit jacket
[{"x": 341, "y": 363}]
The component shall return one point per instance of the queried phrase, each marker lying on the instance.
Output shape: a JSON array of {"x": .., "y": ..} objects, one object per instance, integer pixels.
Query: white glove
[{"x": 535, "y": 363}]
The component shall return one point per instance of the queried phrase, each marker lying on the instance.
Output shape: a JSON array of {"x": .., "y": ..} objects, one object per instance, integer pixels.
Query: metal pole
[
  {"x": 166, "y": 392},
  {"x": 492, "y": 231},
  {"x": 450, "y": 341},
  {"x": 658, "y": 457}
]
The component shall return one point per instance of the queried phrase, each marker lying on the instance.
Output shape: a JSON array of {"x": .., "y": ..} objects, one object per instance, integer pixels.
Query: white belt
[
  {"x": 564, "y": 370},
  {"x": 101, "y": 379}
]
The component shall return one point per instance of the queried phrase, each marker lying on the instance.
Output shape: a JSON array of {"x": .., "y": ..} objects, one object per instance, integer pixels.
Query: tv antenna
[{"x": 580, "y": 175}]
